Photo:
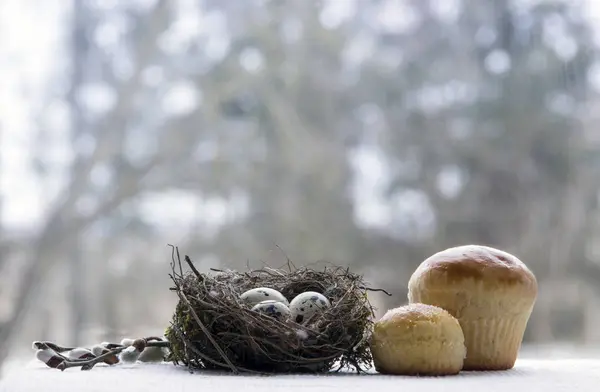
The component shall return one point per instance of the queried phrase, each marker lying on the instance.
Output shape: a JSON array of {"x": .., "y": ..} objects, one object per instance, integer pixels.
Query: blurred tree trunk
[
  {"x": 2, "y": 240},
  {"x": 64, "y": 221},
  {"x": 108, "y": 300},
  {"x": 77, "y": 292},
  {"x": 79, "y": 53}
]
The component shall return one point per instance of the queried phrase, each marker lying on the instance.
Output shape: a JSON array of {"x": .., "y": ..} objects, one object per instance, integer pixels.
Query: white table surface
[{"x": 529, "y": 375}]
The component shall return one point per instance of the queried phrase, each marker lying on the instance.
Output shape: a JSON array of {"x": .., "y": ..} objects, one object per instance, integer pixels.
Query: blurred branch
[
  {"x": 63, "y": 221},
  {"x": 80, "y": 50},
  {"x": 48, "y": 249}
]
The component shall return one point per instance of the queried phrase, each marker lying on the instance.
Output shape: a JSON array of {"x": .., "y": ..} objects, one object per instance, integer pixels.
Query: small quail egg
[
  {"x": 306, "y": 304},
  {"x": 273, "y": 308},
  {"x": 254, "y": 296}
]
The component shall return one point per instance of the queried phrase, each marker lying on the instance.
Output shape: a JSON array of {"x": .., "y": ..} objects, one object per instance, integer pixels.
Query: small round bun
[
  {"x": 489, "y": 291},
  {"x": 418, "y": 339}
]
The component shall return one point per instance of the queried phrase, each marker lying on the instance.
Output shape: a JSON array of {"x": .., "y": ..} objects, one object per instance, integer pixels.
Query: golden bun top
[
  {"x": 418, "y": 339},
  {"x": 424, "y": 321},
  {"x": 413, "y": 313},
  {"x": 474, "y": 263}
]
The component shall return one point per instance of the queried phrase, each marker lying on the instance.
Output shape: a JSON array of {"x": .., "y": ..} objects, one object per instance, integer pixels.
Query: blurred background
[{"x": 366, "y": 133}]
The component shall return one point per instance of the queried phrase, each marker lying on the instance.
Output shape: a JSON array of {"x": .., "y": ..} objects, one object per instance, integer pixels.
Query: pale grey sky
[{"x": 30, "y": 34}]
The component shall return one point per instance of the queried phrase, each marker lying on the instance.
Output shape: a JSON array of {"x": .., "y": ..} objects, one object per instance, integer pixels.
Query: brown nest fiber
[{"x": 213, "y": 329}]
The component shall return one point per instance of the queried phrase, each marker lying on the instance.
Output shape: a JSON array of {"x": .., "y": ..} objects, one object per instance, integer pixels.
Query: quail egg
[
  {"x": 254, "y": 296},
  {"x": 273, "y": 308},
  {"x": 306, "y": 304}
]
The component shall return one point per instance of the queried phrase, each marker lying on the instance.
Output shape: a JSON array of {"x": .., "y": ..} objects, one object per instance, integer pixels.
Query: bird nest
[{"x": 212, "y": 328}]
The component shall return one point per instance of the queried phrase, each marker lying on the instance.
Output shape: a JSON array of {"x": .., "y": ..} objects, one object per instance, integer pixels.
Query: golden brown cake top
[{"x": 476, "y": 262}]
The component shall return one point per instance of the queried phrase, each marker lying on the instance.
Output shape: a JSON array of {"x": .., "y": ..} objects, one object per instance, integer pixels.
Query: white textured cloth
[{"x": 528, "y": 376}]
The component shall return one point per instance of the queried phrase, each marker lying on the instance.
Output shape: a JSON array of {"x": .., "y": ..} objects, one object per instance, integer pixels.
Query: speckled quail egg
[
  {"x": 273, "y": 308},
  {"x": 306, "y": 304},
  {"x": 254, "y": 296}
]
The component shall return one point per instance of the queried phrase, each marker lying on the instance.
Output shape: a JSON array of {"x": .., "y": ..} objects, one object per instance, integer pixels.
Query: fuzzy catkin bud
[
  {"x": 139, "y": 344},
  {"x": 132, "y": 352},
  {"x": 37, "y": 345},
  {"x": 49, "y": 357},
  {"x": 127, "y": 342},
  {"x": 129, "y": 355},
  {"x": 112, "y": 346},
  {"x": 152, "y": 354},
  {"x": 81, "y": 353},
  {"x": 99, "y": 350}
]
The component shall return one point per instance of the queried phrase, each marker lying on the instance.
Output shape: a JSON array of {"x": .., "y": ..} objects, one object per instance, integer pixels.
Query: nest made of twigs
[{"x": 213, "y": 329}]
